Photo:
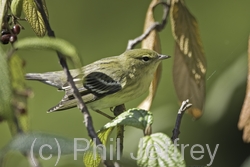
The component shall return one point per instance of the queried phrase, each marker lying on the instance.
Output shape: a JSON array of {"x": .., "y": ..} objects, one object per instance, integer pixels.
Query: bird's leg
[
  {"x": 118, "y": 109},
  {"x": 104, "y": 114}
]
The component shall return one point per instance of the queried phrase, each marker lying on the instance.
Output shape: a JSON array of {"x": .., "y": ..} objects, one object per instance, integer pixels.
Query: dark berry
[
  {"x": 13, "y": 38},
  {"x": 5, "y": 38},
  {"x": 16, "y": 29}
]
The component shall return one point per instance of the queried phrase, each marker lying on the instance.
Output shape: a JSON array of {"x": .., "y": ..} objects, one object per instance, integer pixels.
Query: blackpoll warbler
[{"x": 107, "y": 82}]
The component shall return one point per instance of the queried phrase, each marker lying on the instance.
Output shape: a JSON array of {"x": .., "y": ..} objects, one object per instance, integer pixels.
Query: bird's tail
[
  {"x": 55, "y": 79},
  {"x": 35, "y": 76},
  {"x": 64, "y": 104}
]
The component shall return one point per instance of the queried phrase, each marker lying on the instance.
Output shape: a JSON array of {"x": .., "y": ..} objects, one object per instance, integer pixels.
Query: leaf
[
  {"x": 34, "y": 17},
  {"x": 244, "y": 120},
  {"x": 20, "y": 95},
  {"x": 93, "y": 158},
  {"x": 246, "y": 162},
  {"x": 151, "y": 42},
  {"x": 34, "y": 141},
  {"x": 13, "y": 94},
  {"x": 186, "y": 87},
  {"x": 137, "y": 118},
  {"x": 218, "y": 108},
  {"x": 189, "y": 60},
  {"x": 5, "y": 89},
  {"x": 157, "y": 150},
  {"x": 16, "y": 7},
  {"x": 57, "y": 44},
  {"x": 133, "y": 117},
  {"x": 16, "y": 65},
  {"x": 3, "y": 7}
]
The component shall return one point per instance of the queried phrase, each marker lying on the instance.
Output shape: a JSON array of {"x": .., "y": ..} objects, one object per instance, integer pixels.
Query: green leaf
[
  {"x": 16, "y": 7},
  {"x": 189, "y": 60},
  {"x": 3, "y": 7},
  {"x": 5, "y": 88},
  {"x": 34, "y": 141},
  {"x": 34, "y": 17},
  {"x": 16, "y": 65},
  {"x": 50, "y": 44},
  {"x": 157, "y": 150},
  {"x": 93, "y": 158},
  {"x": 135, "y": 117},
  {"x": 20, "y": 95}
]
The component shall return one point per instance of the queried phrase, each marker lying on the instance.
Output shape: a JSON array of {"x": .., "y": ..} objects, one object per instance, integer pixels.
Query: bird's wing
[
  {"x": 101, "y": 84},
  {"x": 96, "y": 86}
]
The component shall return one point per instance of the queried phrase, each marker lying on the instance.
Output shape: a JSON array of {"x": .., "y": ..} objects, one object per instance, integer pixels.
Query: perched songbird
[{"x": 108, "y": 82}]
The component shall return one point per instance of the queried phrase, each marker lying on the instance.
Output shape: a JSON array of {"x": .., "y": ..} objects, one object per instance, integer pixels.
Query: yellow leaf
[
  {"x": 92, "y": 158},
  {"x": 189, "y": 60}
]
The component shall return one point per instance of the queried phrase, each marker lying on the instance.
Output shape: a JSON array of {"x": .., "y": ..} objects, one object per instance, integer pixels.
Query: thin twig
[
  {"x": 87, "y": 117},
  {"x": 176, "y": 131},
  {"x": 155, "y": 26}
]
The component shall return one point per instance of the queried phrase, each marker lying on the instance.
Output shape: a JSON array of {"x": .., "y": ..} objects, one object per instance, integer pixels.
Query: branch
[
  {"x": 120, "y": 128},
  {"x": 87, "y": 117},
  {"x": 176, "y": 131},
  {"x": 155, "y": 26}
]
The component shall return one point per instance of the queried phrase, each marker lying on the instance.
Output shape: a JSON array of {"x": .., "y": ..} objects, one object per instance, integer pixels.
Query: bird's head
[{"x": 143, "y": 59}]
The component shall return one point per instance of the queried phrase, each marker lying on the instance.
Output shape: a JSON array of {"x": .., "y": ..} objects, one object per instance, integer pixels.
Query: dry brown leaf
[
  {"x": 187, "y": 88},
  {"x": 151, "y": 42},
  {"x": 189, "y": 59},
  {"x": 244, "y": 120}
]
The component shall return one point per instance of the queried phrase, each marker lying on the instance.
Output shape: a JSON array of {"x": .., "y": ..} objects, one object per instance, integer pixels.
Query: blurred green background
[{"x": 102, "y": 28}]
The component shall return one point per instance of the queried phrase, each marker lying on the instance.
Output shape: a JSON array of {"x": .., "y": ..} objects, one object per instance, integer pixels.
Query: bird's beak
[{"x": 161, "y": 57}]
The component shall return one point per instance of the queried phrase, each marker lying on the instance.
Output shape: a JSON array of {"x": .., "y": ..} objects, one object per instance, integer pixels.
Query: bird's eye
[{"x": 145, "y": 58}]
